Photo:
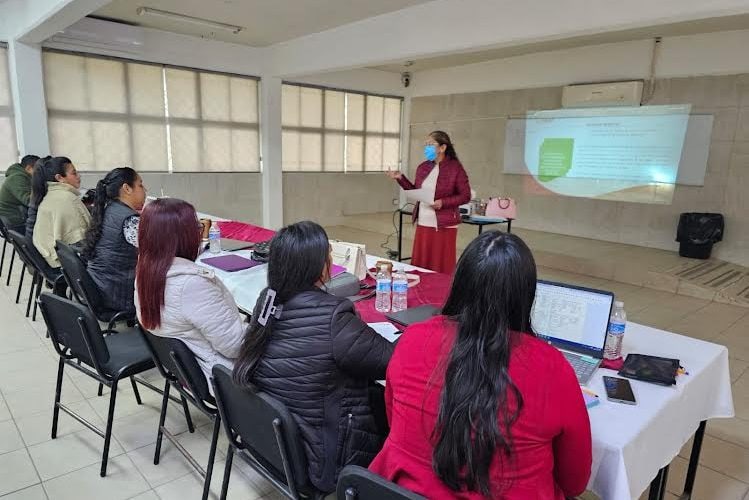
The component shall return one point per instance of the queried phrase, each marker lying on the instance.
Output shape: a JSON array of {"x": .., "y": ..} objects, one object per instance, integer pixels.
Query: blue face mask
[{"x": 430, "y": 152}]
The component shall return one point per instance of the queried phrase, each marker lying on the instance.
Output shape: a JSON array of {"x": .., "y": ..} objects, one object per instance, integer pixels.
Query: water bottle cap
[{"x": 619, "y": 303}]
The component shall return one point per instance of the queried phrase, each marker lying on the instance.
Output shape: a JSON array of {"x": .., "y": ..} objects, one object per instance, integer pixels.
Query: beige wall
[
  {"x": 322, "y": 197},
  {"x": 476, "y": 123},
  {"x": 327, "y": 198},
  {"x": 229, "y": 195}
]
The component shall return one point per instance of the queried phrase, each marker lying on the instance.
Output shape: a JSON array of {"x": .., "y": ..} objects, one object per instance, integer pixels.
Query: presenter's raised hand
[{"x": 394, "y": 174}]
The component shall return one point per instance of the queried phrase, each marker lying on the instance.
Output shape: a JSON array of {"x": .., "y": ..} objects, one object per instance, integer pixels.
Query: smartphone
[{"x": 619, "y": 390}]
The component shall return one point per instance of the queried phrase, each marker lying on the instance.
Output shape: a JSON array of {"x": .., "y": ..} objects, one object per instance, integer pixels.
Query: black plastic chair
[
  {"x": 83, "y": 288},
  {"x": 177, "y": 364},
  {"x": 6, "y": 239},
  {"x": 358, "y": 483},
  {"x": 263, "y": 432},
  {"x": 40, "y": 270},
  {"x": 19, "y": 246},
  {"x": 79, "y": 341}
]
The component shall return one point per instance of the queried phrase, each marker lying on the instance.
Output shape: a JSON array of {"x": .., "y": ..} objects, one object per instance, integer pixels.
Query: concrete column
[
  {"x": 270, "y": 133},
  {"x": 29, "y": 106}
]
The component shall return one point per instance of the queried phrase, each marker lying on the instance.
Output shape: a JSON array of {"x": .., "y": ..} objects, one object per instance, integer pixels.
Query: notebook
[
  {"x": 335, "y": 270},
  {"x": 230, "y": 263},
  {"x": 653, "y": 369},
  {"x": 590, "y": 400},
  {"x": 412, "y": 315}
]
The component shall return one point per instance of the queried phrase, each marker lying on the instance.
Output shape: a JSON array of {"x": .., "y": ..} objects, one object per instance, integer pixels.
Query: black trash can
[{"x": 697, "y": 233}]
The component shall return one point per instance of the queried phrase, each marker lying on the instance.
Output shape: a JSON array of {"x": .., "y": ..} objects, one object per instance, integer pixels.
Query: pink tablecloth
[
  {"x": 432, "y": 289},
  {"x": 244, "y": 232}
]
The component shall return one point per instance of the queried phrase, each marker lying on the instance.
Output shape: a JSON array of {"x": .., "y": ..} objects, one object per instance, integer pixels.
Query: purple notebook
[
  {"x": 230, "y": 263},
  {"x": 335, "y": 270}
]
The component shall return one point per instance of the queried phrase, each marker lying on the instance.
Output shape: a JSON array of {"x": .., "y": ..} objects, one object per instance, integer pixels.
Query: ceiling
[
  {"x": 711, "y": 25},
  {"x": 266, "y": 21}
]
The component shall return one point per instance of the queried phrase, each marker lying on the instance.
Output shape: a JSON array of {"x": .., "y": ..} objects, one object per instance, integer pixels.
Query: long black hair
[
  {"x": 491, "y": 297},
  {"x": 298, "y": 256},
  {"x": 443, "y": 139},
  {"x": 107, "y": 190},
  {"x": 45, "y": 171}
]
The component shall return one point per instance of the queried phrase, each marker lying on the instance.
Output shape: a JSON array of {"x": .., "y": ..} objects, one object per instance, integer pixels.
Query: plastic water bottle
[
  {"x": 615, "y": 335},
  {"x": 382, "y": 303},
  {"x": 214, "y": 238},
  {"x": 400, "y": 290}
]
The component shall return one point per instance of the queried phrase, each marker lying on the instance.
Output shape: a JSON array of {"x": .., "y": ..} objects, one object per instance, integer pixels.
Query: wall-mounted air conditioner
[
  {"x": 602, "y": 95},
  {"x": 94, "y": 35}
]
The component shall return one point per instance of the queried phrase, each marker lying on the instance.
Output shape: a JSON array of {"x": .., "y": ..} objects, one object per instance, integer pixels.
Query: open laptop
[{"x": 575, "y": 320}]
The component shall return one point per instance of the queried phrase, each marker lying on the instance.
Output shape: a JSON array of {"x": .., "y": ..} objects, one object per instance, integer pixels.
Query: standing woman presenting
[{"x": 437, "y": 224}]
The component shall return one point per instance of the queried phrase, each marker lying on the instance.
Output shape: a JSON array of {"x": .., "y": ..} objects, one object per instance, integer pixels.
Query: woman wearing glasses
[{"x": 437, "y": 224}]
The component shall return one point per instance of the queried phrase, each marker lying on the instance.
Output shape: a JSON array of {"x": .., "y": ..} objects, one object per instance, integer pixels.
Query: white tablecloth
[
  {"x": 631, "y": 443},
  {"x": 246, "y": 285}
]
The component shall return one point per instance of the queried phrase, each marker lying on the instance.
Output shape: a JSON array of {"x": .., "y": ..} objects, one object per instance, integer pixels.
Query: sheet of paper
[
  {"x": 386, "y": 330},
  {"x": 422, "y": 195}
]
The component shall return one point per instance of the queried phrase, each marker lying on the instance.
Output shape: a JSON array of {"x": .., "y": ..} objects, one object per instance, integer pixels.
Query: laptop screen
[{"x": 572, "y": 317}]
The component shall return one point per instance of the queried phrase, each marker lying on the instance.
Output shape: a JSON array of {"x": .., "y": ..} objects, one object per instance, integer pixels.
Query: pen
[{"x": 588, "y": 392}]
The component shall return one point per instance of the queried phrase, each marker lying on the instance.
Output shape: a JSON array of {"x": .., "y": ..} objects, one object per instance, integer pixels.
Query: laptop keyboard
[{"x": 584, "y": 366}]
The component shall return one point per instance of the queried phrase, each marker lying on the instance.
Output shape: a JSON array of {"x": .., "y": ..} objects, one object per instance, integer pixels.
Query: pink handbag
[{"x": 504, "y": 208}]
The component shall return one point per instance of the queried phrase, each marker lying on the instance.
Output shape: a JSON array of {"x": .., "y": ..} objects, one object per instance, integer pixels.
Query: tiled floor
[{"x": 33, "y": 466}]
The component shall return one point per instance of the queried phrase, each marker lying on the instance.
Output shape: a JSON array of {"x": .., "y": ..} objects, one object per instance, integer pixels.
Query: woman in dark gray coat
[{"x": 310, "y": 350}]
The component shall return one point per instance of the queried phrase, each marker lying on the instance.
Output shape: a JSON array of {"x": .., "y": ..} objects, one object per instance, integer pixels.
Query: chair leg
[
  {"x": 108, "y": 431},
  {"x": 211, "y": 456},
  {"x": 135, "y": 390},
  {"x": 227, "y": 472},
  {"x": 190, "y": 427},
  {"x": 10, "y": 269},
  {"x": 39, "y": 284},
  {"x": 2, "y": 259},
  {"x": 20, "y": 284},
  {"x": 162, "y": 419},
  {"x": 101, "y": 389},
  {"x": 34, "y": 277},
  {"x": 58, "y": 394}
]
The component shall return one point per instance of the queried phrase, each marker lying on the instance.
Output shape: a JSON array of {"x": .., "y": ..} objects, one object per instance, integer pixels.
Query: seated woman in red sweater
[{"x": 478, "y": 406}]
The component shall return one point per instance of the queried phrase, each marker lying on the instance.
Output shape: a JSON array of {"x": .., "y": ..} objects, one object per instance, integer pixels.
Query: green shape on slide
[{"x": 554, "y": 158}]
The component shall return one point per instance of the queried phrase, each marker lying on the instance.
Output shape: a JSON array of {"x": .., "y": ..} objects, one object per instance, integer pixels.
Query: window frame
[
  {"x": 127, "y": 118},
  {"x": 353, "y": 133}
]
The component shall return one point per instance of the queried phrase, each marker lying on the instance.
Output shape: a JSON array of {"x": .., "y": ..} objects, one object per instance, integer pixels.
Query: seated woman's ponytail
[{"x": 107, "y": 190}]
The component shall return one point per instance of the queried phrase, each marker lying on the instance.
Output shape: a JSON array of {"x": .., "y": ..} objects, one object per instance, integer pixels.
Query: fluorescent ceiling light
[{"x": 142, "y": 11}]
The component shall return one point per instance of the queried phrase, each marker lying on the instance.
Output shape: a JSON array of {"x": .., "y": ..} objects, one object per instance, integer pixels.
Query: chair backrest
[
  {"x": 73, "y": 326},
  {"x": 176, "y": 362},
  {"x": 263, "y": 426},
  {"x": 358, "y": 483},
  {"x": 19, "y": 242},
  {"x": 76, "y": 274},
  {"x": 4, "y": 227}
]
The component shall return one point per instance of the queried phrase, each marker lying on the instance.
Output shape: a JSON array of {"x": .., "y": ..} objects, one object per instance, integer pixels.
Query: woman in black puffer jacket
[{"x": 313, "y": 353}]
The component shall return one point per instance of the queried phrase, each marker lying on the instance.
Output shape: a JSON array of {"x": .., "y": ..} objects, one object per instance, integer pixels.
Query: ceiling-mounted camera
[{"x": 406, "y": 78}]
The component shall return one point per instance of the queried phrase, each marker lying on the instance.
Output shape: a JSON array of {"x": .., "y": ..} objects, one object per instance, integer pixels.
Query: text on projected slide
[{"x": 626, "y": 153}]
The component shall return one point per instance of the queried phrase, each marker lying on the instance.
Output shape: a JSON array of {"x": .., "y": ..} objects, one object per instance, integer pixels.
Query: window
[
  {"x": 338, "y": 131},
  {"x": 8, "y": 146},
  {"x": 105, "y": 113}
]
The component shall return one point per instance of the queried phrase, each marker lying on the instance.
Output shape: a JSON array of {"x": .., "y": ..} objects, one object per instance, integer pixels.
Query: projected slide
[{"x": 626, "y": 153}]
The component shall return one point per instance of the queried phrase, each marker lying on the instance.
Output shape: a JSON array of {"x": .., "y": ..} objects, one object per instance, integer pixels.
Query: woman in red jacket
[
  {"x": 437, "y": 225},
  {"x": 478, "y": 406}
]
